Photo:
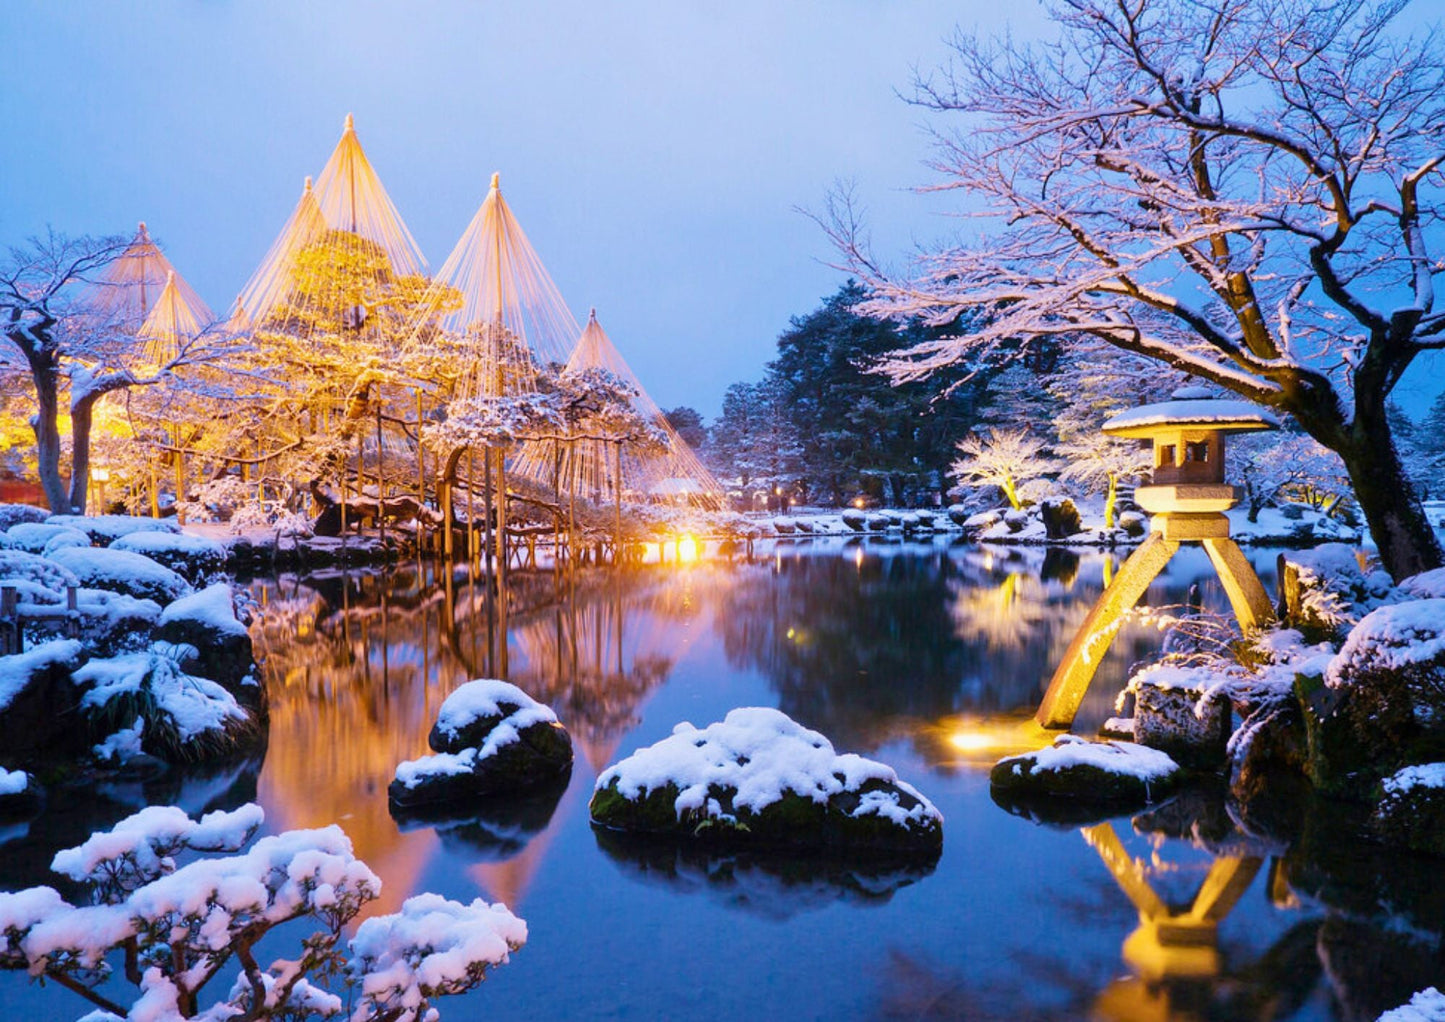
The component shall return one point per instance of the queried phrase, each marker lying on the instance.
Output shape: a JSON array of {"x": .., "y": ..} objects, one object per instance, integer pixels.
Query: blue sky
[{"x": 654, "y": 153}]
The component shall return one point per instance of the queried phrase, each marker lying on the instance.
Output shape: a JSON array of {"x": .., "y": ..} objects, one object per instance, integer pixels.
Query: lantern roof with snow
[{"x": 1191, "y": 408}]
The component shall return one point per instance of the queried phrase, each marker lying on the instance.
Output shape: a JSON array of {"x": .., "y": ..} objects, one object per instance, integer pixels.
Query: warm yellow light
[
  {"x": 686, "y": 549},
  {"x": 100, "y": 475},
  {"x": 971, "y": 741},
  {"x": 858, "y": 503}
]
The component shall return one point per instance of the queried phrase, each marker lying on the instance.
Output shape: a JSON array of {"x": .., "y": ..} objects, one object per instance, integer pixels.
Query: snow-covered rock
[
  {"x": 192, "y": 557},
  {"x": 20, "y": 794},
  {"x": 32, "y": 537},
  {"x": 784, "y": 526},
  {"x": 759, "y": 778},
  {"x": 207, "y": 622},
  {"x": 123, "y": 572},
  {"x": 103, "y": 529},
  {"x": 1428, "y": 585},
  {"x": 1181, "y": 711},
  {"x": 38, "y": 702},
  {"x": 1411, "y": 812},
  {"x": 1073, "y": 767},
  {"x": 854, "y": 519},
  {"x": 490, "y": 737},
  {"x": 1382, "y": 703}
]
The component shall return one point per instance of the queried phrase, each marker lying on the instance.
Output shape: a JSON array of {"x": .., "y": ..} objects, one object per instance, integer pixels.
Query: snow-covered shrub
[
  {"x": 1326, "y": 590},
  {"x": 179, "y": 927},
  {"x": 186, "y": 718},
  {"x": 217, "y": 499},
  {"x": 192, "y": 557},
  {"x": 121, "y": 571},
  {"x": 18, "y": 568},
  {"x": 1427, "y": 585},
  {"x": 103, "y": 529},
  {"x": 12, "y": 515},
  {"x": 33, "y": 536},
  {"x": 1411, "y": 811}
]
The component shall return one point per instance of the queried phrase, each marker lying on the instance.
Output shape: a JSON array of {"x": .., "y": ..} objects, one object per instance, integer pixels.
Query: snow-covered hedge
[
  {"x": 192, "y": 557},
  {"x": 759, "y": 777},
  {"x": 12, "y": 515},
  {"x": 32, "y": 537},
  {"x": 123, "y": 572},
  {"x": 104, "y": 529}
]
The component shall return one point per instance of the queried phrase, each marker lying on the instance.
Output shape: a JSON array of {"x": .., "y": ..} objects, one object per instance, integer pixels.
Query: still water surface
[{"x": 903, "y": 652}]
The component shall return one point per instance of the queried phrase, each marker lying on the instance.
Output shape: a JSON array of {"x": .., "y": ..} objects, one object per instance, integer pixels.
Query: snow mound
[
  {"x": 19, "y": 566},
  {"x": 1121, "y": 758},
  {"x": 212, "y": 607},
  {"x": 1424, "y": 775},
  {"x": 18, "y": 669},
  {"x": 123, "y": 571},
  {"x": 731, "y": 773},
  {"x": 192, "y": 556},
  {"x": 32, "y": 537},
  {"x": 1089, "y": 772},
  {"x": 1428, "y": 585},
  {"x": 16, "y": 514},
  {"x": 106, "y": 528},
  {"x": 1391, "y": 638},
  {"x": 489, "y": 699}
]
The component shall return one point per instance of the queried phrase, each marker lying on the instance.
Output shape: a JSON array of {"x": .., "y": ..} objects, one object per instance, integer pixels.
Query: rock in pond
[
  {"x": 1382, "y": 703},
  {"x": 1073, "y": 767},
  {"x": 758, "y": 778},
  {"x": 20, "y": 794},
  {"x": 1181, "y": 711},
  {"x": 1412, "y": 812},
  {"x": 490, "y": 737}
]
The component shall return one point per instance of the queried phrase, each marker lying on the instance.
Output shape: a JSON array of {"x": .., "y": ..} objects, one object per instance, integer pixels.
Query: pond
[{"x": 907, "y": 653}]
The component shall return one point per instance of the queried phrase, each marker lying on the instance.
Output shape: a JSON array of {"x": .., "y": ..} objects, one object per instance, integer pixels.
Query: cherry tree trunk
[
  {"x": 1392, "y": 509},
  {"x": 81, "y": 416},
  {"x": 45, "y": 375}
]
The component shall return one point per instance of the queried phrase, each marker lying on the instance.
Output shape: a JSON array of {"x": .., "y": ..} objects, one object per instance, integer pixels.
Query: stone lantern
[{"x": 1187, "y": 496}]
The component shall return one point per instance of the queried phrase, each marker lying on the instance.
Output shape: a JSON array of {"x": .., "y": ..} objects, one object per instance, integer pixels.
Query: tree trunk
[
  {"x": 45, "y": 374},
  {"x": 1392, "y": 509},
  {"x": 81, "y": 416}
]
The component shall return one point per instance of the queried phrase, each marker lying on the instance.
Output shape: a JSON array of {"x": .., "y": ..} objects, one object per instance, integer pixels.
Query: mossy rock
[
  {"x": 540, "y": 753},
  {"x": 1115, "y": 773},
  {"x": 794, "y": 821},
  {"x": 1411, "y": 812}
]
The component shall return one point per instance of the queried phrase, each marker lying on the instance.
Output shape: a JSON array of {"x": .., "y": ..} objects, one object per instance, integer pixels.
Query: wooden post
[
  {"x": 10, "y": 620},
  {"x": 180, "y": 480},
  {"x": 72, "y": 612},
  {"x": 155, "y": 489},
  {"x": 471, "y": 505},
  {"x": 380, "y": 479}
]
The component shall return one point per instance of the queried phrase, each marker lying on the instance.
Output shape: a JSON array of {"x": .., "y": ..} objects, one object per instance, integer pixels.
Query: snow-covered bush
[
  {"x": 123, "y": 572},
  {"x": 12, "y": 515},
  {"x": 174, "y": 929},
  {"x": 104, "y": 529},
  {"x": 192, "y": 557},
  {"x": 32, "y": 537},
  {"x": 186, "y": 718}
]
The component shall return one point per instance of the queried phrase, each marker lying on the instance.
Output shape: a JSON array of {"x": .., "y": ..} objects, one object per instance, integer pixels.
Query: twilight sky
[{"x": 654, "y": 153}]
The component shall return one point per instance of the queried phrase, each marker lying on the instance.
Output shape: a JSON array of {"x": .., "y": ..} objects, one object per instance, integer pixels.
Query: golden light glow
[
  {"x": 858, "y": 503},
  {"x": 686, "y": 550},
  {"x": 100, "y": 475},
  {"x": 981, "y": 741}
]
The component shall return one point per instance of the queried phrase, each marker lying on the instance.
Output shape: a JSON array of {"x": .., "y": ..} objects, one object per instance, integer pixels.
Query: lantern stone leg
[
  {"x": 1246, "y": 594},
  {"x": 1074, "y": 673}
]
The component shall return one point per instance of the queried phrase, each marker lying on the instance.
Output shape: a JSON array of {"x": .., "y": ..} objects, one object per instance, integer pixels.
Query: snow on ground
[{"x": 762, "y": 754}]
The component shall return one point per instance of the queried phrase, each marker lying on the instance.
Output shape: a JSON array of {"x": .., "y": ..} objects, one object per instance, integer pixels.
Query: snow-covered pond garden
[{"x": 917, "y": 654}]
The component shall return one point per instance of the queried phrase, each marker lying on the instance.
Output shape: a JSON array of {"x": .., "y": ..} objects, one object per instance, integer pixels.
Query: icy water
[{"x": 909, "y": 653}]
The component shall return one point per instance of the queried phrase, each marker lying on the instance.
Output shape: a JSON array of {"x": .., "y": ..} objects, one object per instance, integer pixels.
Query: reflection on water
[{"x": 929, "y": 656}]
